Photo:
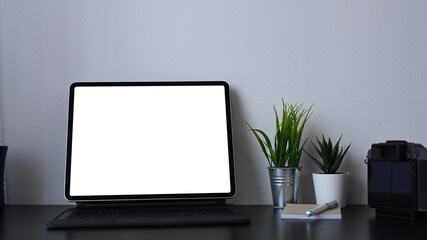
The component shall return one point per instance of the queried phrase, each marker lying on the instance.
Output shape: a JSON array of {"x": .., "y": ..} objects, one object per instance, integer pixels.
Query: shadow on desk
[
  {"x": 393, "y": 228},
  {"x": 206, "y": 233}
]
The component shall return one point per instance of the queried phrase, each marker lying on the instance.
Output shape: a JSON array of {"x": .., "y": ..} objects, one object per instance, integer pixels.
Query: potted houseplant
[
  {"x": 330, "y": 184},
  {"x": 284, "y": 151}
]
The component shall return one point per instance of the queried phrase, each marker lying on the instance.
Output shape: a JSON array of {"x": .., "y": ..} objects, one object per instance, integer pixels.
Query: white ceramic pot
[{"x": 329, "y": 187}]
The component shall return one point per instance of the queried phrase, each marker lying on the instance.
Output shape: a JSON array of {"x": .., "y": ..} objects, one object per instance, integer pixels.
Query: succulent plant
[
  {"x": 330, "y": 154},
  {"x": 285, "y": 147}
]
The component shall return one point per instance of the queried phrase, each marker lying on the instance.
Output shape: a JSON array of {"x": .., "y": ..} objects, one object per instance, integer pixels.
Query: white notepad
[{"x": 297, "y": 211}]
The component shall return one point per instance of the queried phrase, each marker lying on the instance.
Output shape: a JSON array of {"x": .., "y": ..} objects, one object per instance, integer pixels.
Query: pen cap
[{"x": 332, "y": 204}]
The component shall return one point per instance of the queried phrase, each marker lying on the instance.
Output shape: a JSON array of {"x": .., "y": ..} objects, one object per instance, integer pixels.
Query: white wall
[{"x": 361, "y": 62}]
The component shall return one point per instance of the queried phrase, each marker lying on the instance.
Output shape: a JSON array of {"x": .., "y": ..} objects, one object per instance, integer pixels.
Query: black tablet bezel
[{"x": 153, "y": 197}]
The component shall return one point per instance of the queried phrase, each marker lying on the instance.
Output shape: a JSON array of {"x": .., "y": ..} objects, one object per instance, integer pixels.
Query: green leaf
[
  {"x": 318, "y": 163},
  {"x": 286, "y": 147},
  {"x": 267, "y": 143},
  {"x": 261, "y": 143},
  {"x": 339, "y": 159},
  {"x": 330, "y": 153},
  {"x": 324, "y": 148}
]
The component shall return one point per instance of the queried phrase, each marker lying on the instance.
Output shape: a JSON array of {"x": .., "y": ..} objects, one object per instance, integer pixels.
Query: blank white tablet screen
[{"x": 136, "y": 140}]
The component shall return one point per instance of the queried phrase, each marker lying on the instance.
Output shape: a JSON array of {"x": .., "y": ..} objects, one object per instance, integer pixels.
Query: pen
[{"x": 321, "y": 208}]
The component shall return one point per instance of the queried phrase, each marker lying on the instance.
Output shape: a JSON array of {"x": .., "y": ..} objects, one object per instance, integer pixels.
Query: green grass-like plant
[
  {"x": 330, "y": 154},
  {"x": 285, "y": 149}
]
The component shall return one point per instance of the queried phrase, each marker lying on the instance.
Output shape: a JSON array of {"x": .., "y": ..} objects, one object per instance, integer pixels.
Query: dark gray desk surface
[{"x": 358, "y": 222}]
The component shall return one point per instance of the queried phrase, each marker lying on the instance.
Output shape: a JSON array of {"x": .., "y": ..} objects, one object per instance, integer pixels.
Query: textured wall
[{"x": 362, "y": 64}]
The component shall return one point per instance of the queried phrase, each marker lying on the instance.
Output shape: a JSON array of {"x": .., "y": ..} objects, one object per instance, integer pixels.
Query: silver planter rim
[{"x": 299, "y": 167}]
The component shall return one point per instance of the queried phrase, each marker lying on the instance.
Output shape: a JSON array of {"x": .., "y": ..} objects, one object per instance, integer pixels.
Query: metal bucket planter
[
  {"x": 3, "y": 150},
  {"x": 284, "y": 185}
]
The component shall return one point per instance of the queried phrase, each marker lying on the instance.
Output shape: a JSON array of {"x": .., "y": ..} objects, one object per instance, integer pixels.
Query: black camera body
[{"x": 397, "y": 178}]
